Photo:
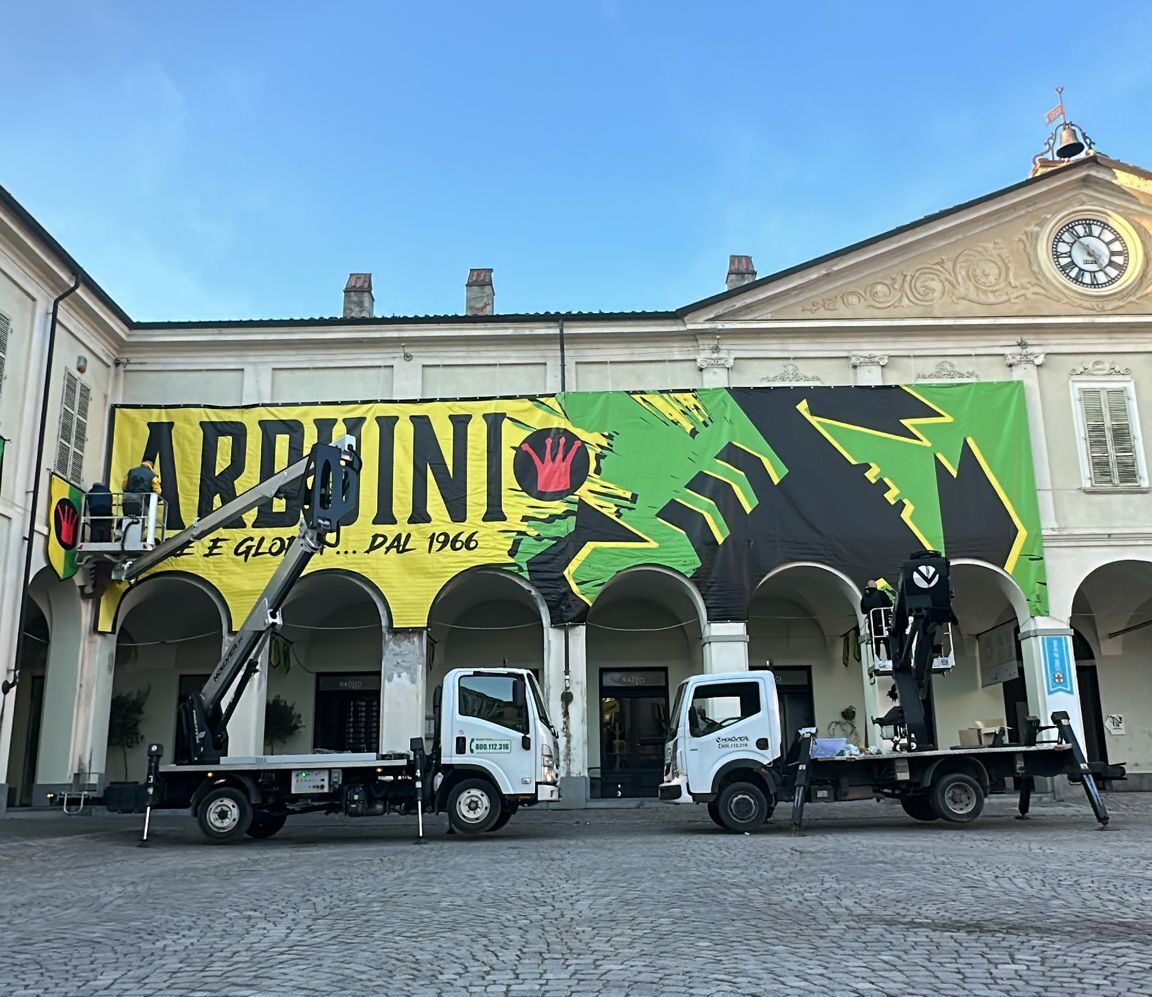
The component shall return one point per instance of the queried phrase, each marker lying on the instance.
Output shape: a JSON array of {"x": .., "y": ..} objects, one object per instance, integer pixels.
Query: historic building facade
[{"x": 1044, "y": 285}]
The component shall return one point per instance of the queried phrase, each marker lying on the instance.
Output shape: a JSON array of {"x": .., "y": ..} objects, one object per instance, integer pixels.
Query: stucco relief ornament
[
  {"x": 1023, "y": 355},
  {"x": 1100, "y": 368},
  {"x": 715, "y": 357},
  {"x": 791, "y": 374},
  {"x": 983, "y": 275},
  {"x": 946, "y": 370},
  {"x": 870, "y": 360}
]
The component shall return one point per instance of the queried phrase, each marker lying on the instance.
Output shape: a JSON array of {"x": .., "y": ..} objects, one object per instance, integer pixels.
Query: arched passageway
[
  {"x": 485, "y": 619},
  {"x": 1112, "y": 617},
  {"x": 324, "y": 668},
  {"x": 27, "y": 704},
  {"x": 986, "y": 683},
  {"x": 803, "y": 625},
  {"x": 168, "y": 641},
  {"x": 644, "y": 637}
]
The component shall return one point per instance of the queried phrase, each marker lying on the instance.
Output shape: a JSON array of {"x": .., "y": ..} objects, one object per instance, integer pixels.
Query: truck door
[
  {"x": 727, "y": 720},
  {"x": 492, "y": 728}
]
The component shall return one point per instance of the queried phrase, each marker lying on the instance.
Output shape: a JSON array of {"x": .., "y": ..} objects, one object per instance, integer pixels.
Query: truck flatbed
[{"x": 265, "y": 762}]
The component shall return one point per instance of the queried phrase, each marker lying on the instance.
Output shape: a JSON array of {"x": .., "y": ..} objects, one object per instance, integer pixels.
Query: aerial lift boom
[{"x": 329, "y": 495}]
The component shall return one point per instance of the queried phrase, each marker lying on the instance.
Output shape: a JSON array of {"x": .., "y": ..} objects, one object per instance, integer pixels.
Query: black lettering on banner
[
  {"x": 214, "y": 545},
  {"x": 220, "y": 484},
  {"x": 428, "y": 458},
  {"x": 494, "y": 468},
  {"x": 159, "y": 450},
  {"x": 354, "y": 427},
  {"x": 292, "y": 494},
  {"x": 385, "y": 471}
]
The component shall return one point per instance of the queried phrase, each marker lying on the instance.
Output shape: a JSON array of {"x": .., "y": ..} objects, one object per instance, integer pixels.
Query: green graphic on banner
[{"x": 723, "y": 485}]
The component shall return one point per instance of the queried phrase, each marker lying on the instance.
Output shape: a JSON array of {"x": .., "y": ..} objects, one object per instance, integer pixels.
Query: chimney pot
[
  {"x": 358, "y": 300},
  {"x": 479, "y": 297},
  {"x": 740, "y": 271}
]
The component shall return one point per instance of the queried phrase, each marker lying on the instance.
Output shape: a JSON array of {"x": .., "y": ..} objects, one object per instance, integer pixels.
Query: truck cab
[
  {"x": 724, "y": 736},
  {"x": 495, "y": 747}
]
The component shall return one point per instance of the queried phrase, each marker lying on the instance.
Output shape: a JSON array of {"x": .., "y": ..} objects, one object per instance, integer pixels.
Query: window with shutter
[
  {"x": 74, "y": 403},
  {"x": 1110, "y": 436}
]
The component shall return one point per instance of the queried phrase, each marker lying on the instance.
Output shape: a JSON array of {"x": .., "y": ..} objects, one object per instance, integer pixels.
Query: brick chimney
[
  {"x": 479, "y": 298},
  {"x": 358, "y": 299},
  {"x": 740, "y": 271}
]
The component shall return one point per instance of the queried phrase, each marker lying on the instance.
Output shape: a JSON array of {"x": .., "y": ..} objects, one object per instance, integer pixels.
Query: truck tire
[
  {"x": 506, "y": 813},
  {"x": 224, "y": 814},
  {"x": 265, "y": 824},
  {"x": 714, "y": 813},
  {"x": 918, "y": 807},
  {"x": 956, "y": 797},
  {"x": 742, "y": 806},
  {"x": 474, "y": 806}
]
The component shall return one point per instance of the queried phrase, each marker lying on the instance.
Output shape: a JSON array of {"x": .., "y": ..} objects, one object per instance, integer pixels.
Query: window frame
[{"x": 1127, "y": 385}]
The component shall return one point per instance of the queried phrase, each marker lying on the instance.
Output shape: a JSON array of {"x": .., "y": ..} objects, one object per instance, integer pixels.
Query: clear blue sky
[{"x": 238, "y": 160}]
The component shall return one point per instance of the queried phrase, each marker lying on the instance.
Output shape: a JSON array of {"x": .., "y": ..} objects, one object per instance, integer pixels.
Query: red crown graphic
[{"x": 554, "y": 472}]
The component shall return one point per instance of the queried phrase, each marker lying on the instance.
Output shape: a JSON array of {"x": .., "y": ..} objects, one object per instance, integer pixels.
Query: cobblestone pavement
[{"x": 647, "y": 901}]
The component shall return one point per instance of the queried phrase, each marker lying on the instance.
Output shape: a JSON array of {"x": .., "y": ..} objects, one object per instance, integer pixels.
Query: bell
[{"x": 1070, "y": 145}]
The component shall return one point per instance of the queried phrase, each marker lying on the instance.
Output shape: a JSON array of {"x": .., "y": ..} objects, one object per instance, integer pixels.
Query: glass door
[{"x": 633, "y": 718}]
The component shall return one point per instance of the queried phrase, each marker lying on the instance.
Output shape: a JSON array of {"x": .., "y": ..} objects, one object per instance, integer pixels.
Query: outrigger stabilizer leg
[
  {"x": 155, "y": 751},
  {"x": 801, "y": 795},
  {"x": 1067, "y": 734},
  {"x": 1027, "y": 783}
]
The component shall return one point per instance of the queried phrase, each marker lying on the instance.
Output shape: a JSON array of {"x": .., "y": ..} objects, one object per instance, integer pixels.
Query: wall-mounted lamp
[
  {"x": 405, "y": 354},
  {"x": 81, "y": 363}
]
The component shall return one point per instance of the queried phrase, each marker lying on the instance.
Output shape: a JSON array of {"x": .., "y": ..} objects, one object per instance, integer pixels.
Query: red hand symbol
[{"x": 66, "y": 522}]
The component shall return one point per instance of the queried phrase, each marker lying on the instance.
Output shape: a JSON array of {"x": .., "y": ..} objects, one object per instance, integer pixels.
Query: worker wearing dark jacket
[
  {"x": 874, "y": 598},
  {"x": 99, "y": 513},
  {"x": 138, "y": 484}
]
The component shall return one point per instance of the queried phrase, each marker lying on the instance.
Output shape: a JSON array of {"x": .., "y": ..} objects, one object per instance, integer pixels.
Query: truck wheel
[
  {"x": 918, "y": 807},
  {"x": 264, "y": 824},
  {"x": 956, "y": 797},
  {"x": 506, "y": 813},
  {"x": 474, "y": 806},
  {"x": 224, "y": 814},
  {"x": 742, "y": 806}
]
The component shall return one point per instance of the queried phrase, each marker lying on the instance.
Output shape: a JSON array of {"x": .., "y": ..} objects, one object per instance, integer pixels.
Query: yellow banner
[{"x": 445, "y": 486}]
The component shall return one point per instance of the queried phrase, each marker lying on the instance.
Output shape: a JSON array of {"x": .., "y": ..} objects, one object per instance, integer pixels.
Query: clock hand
[{"x": 1091, "y": 252}]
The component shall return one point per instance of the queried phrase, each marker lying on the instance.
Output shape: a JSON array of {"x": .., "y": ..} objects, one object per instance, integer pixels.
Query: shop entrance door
[
  {"x": 633, "y": 718},
  {"x": 347, "y": 713}
]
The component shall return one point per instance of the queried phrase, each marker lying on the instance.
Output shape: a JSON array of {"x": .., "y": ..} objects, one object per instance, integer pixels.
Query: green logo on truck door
[{"x": 483, "y": 746}]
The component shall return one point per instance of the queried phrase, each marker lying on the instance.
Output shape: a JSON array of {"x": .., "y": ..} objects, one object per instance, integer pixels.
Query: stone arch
[
  {"x": 326, "y": 666},
  {"x": 1112, "y": 610},
  {"x": 987, "y": 679},
  {"x": 169, "y": 635},
  {"x": 804, "y": 622},
  {"x": 487, "y": 617}
]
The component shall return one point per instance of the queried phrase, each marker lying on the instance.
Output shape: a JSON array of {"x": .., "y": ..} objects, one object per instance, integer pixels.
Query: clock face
[{"x": 1090, "y": 253}]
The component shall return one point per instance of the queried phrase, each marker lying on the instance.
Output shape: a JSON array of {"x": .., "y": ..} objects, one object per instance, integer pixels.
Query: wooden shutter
[
  {"x": 74, "y": 404},
  {"x": 1108, "y": 435},
  {"x": 5, "y": 328}
]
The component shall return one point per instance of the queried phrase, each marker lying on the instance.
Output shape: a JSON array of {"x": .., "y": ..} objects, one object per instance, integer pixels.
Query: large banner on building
[{"x": 720, "y": 484}]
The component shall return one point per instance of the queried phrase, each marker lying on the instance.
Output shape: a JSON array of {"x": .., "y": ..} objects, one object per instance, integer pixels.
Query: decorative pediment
[{"x": 993, "y": 258}]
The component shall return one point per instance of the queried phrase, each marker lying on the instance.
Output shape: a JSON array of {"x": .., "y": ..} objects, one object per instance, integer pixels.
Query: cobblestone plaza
[{"x": 642, "y": 901}]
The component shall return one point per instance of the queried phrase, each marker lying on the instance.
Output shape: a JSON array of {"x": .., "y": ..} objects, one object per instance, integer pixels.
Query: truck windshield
[
  {"x": 674, "y": 716},
  {"x": 538, "y": 697}
]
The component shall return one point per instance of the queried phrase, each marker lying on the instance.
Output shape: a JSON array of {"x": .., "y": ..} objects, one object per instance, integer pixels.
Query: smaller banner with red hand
[{"x": 65, "y": 501}]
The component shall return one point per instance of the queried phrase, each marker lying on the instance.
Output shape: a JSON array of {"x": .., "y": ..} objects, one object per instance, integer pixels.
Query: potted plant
[
  {"x": 281, "y": 722},
  {"x": 124, "y": 719}
]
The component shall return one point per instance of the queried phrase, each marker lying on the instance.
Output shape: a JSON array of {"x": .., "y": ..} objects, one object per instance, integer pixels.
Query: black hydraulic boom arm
[{"x": 923, "y": 605}]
